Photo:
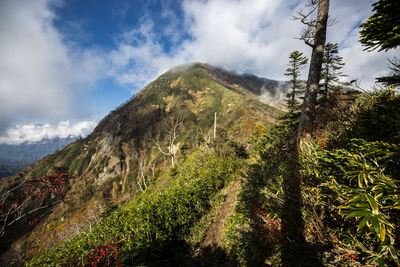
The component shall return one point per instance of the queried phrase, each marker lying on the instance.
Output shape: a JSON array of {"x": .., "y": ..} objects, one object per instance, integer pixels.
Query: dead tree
[
  {"x": 170, "y": 127},
  {"x": 215, "y": 124},
  {"x": 141, "y": 171},
  {"x": 313, "y": 35},
  {"x": 153, "y": 167},
  {"x": 141, "y": 167},
  {"x": 29, "y": 198}
]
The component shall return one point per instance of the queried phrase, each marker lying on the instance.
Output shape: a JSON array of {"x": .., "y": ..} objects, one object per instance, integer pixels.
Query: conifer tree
[
  {"x": 382, "y": 31},
  {"x": 332, "y": 63},
  {"x": 296, "y": 62},
  {"x": 394, "y": 78}
]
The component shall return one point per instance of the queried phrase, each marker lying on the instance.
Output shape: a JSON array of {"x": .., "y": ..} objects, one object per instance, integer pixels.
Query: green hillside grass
[
  {"x": 104, "y": 168},
  {"x": 152, "y": 229}
]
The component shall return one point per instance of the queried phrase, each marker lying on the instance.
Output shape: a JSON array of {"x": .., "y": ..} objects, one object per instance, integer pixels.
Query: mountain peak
[
  {"x": 181, "y": 87},
  {"x": 108, "y": 165}
]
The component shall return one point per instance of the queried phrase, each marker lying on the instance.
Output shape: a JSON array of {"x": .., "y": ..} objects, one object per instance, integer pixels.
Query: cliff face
[{"x": 164, "y": 121}]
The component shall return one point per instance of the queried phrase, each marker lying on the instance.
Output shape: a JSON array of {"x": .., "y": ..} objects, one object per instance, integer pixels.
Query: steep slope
[{"x": 130, "y": 147}]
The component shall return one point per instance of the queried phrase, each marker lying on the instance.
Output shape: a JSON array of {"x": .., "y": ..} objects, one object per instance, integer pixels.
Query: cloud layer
[
  {"x": 44, "y": 77},
  {"x": 33, "y": 133},
  {"x": 244, "y": 36},
  {"x": 239, "y": 36},
  {"x": 40, "y": 76}
]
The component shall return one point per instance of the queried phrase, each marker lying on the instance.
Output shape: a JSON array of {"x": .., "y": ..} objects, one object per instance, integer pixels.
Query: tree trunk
[
  {"x": 314, "y": 74},
  {"x": 215, "y": 124}
]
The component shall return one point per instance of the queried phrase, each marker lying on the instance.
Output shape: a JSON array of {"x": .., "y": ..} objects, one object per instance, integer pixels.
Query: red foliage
[
  {"x": 30, "y": 198},
  {"x": 350, "y": 256},
  {"x": 40, "y": 187},
  {"x": 104, "y": 255},
  {"x": 268, "y": 228}
]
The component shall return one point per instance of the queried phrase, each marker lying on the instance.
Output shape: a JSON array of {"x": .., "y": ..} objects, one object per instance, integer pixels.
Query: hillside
[
  {"x": 131, "y": 149},
  {"x": 333, "y": 201},
  {"x": 248, "y": 197}
]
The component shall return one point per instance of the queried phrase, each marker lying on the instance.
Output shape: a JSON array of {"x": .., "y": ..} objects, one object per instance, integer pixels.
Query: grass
[{"x": 157, "y": 217}]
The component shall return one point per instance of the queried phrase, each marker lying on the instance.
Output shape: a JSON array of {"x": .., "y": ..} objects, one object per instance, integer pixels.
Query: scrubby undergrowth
[
  {"x": 332, "y": 201},
  {"x": 154, "y": 228}
]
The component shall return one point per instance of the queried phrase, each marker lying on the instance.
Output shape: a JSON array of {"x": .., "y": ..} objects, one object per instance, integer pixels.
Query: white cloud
[
  {"x": 256, "y": 37},
  {"x": 362, "y": 65},
  {"x": 246, "y": 36},
  {"x": 40, "y": 76},
  {"x": 233, "y": 34},
  {"x": 33, "y": 133}
]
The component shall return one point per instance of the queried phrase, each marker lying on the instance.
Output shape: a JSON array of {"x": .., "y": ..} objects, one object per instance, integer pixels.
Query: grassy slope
[
  {"x": 153, "y": 228},
  {"x": 102, "y": 168}
]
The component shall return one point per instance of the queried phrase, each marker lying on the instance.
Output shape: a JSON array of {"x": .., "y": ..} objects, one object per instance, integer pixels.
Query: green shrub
[
  {"x": 359, "y": 181},
  {"x": 158, "y": 219}
]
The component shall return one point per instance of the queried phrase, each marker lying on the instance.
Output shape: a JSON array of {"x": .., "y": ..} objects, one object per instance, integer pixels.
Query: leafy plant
[
  {"x": 104, "y": 255},
  {"x": 368, "y": 198},
  {"x": 158, "y": 219}
]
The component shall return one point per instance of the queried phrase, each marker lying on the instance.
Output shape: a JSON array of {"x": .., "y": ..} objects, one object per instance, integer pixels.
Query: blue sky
[{"x": 66, "y": 64}]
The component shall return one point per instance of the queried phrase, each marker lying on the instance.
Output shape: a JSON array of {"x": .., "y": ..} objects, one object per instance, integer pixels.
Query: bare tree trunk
[
  {"x": 142, "y": 174},
  {"x": 140, "y": 185},
  {"x": 310, "y": 100},
  {"x": 171, "y": 128},
  {"x": 215, "y": 124}
]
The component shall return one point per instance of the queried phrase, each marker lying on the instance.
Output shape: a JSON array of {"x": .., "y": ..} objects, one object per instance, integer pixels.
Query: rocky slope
[{"x": 169, "y": 118}]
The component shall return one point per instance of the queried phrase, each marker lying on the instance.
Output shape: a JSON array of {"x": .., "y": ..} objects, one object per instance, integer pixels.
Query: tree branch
[{"x": 303, "y": 17}]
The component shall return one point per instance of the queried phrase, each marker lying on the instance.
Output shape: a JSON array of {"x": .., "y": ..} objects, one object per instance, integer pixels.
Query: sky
[{"x": 65, "y": 64}]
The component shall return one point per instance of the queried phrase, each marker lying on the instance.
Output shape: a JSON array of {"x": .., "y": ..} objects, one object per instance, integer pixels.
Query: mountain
[
  {"x": 161, "y": 125},
  {"x": 15, "y": 157}
]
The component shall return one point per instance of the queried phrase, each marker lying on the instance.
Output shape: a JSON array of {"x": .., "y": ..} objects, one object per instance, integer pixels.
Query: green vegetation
[
  {"x": 152, "y": 229},
  {"x": 382, "y": 29},
  {"x": 334, "y": 201},
  {"x": 359, "y": 180},
  {"x": 296, "y": 63},
  {"x": 120, "y": 159},
  {"x": 332, "y": 63}
]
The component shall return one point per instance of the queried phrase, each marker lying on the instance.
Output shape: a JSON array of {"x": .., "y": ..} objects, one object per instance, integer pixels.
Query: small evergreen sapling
[
  {"x": 331, "y": 67},
  {"x": 296, "y": 62}
]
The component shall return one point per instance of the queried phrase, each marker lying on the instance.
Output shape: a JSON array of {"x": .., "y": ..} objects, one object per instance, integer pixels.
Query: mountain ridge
[{"x": 127, "y": 149}]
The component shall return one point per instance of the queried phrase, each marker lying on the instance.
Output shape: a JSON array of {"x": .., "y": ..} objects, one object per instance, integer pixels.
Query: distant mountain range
[{"x": 15, "y": 157}]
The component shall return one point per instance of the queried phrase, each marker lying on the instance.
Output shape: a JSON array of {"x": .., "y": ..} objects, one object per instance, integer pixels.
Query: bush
[
  {"x": 156, "y": 220},
  {"x": 358, "y": 180}
]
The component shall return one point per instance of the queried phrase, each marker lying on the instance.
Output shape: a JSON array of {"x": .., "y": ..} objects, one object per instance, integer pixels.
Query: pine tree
[
  {"x": 296, "y": 62},
  {"x": 394, "y": 78},
  {"x": 332, "y": 63},
  {"x": 382, "y": 29}
]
